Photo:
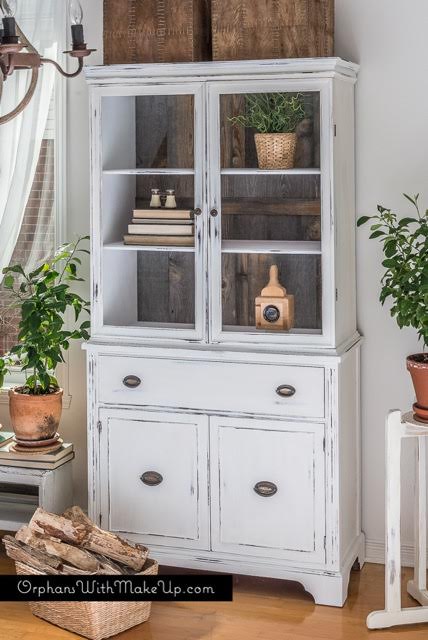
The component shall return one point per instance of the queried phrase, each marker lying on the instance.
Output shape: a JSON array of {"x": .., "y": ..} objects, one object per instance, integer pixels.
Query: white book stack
[{"x": 168, "y": 227}]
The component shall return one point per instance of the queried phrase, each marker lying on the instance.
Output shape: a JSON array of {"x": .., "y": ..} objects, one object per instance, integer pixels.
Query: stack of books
[
  {"x": 168, "y": 227},
  {"x": 10, "y": 457}
]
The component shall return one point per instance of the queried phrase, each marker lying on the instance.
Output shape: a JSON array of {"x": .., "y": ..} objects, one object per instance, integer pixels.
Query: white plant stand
[{"x": 398, "y": 427}]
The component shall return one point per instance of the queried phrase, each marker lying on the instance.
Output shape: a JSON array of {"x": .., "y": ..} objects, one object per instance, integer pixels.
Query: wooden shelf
[
  {"x": 274, "y": 246},
  {"x": 149, "y": 172},
  {"x": 14, "y": 516},
  {"x": 269, "y": 206},
  {"x": 269, "y": 172},
  {"x": 119, "y": 246}
]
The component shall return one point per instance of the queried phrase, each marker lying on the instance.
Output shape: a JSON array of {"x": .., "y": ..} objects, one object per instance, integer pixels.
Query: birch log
[
  {"x": 70, "y": 555},
  {"x": 31, "y": 557}
]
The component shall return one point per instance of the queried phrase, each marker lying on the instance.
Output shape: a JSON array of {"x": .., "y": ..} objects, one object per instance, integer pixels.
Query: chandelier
[{"x": 17, "y": 53}]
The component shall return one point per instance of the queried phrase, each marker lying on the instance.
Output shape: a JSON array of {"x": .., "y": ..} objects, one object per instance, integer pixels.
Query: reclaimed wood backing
[
  {"x": 261, "y": 29},
  {"x": 156, "y": 31}
]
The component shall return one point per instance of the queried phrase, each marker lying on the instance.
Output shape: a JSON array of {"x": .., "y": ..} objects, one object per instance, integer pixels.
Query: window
[{"x": 32, "y": 185}]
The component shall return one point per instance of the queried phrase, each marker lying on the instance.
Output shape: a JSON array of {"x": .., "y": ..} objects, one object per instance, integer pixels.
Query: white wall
[
  {"x": 392, "y": 156},
  {"x": 388, "y": 39}
]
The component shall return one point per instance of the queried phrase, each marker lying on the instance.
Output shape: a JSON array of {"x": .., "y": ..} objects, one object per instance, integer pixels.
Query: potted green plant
[
  {"x": 275, "y": 117},
  {"x": 43, "y": 296},
  {"x": 405, "y": 283}
]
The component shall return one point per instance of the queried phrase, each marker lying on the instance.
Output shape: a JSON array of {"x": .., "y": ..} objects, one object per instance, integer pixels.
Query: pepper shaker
[{"x": 170, "y": 202}]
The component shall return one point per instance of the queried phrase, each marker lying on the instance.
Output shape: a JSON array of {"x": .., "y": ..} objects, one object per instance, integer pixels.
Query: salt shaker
[
  {"x": 155, "y": 202},
  {"x": 170, "y": 202}
]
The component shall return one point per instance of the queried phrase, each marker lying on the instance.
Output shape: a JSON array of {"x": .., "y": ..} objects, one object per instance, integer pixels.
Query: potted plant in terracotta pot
[
  {"x": 405, "y": 283},
  {"x": 43, "y": 296},
  {"x": 275, "y": 117}
]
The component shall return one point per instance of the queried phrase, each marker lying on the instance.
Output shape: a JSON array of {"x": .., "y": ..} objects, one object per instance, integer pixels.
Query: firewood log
[
  {"x": 74, "y": 527},
  {"x": 58, "y": 527},
  {"x": 70, "y": 555},
  {"x": 32, "y": 557}
]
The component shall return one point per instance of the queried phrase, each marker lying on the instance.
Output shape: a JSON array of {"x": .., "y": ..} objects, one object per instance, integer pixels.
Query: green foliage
[
  {"x": 272, "y": 112},
  {"x": 405, "y": 281},
  {"x": 43, "y": 297}
]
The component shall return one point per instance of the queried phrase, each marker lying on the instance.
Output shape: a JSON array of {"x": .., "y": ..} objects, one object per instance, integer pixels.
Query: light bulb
[
  {"x": 75, "y": 11},
  {"x": 9, "y": 8}
]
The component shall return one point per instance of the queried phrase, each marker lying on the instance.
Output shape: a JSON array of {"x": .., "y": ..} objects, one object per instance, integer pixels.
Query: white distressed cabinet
[{"x": 220, "y": 445}]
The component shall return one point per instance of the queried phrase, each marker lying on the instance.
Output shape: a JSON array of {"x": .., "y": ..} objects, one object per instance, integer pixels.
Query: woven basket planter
[
  {"x": 261, "y": 29},
  {"x": 94, "y": 620},
  {"x": 275, "y": 150},
  {"x": 156, "y": 31}
]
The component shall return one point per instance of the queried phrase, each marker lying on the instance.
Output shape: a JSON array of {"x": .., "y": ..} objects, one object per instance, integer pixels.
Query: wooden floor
[{"x": 261, "y": 610}]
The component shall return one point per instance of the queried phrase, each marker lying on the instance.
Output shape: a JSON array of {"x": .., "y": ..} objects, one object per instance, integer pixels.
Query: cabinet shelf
[
  {"x": 270, "y": 172},
  {"x": 271, "y": 206},
  {"x": 274, "y": 246},
  {"x": 149, "y": 172},
  {"x": 119, "y": 246}
]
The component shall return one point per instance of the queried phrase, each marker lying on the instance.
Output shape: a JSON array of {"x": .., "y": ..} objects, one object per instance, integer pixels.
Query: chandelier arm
[
  {"x": 61, "y": 70},
  {"x": 25, "y": 101}
]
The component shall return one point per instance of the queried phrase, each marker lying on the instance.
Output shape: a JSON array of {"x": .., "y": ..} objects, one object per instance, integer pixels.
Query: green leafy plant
[
  {"x": 405, "y": 281},
  {"x": 272, "y": 112},
  {"x": 43, "y": 297}
]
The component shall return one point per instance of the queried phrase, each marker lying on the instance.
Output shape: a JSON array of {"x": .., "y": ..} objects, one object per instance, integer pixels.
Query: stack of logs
[{"x": 72, "y": 544}]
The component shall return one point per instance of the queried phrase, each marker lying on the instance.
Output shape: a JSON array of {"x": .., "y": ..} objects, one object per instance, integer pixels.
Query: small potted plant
[
  {"x": 43, "y": 296},
  {"x": 275, "y": 117},
  {"x": 405, "y": 283}
]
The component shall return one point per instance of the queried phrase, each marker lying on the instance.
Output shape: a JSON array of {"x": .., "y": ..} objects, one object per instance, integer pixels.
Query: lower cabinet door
[
  {"x": 267, "y": 486},
  {"x": 154, "y": 476}
]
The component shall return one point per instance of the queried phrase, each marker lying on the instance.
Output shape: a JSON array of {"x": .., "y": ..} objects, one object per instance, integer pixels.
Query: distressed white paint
[
  {"x": 399, "y": 428},
  {"x": 207, "y": 405}
]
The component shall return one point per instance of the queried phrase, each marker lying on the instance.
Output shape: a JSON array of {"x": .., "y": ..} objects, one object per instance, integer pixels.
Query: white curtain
[{"x": 21, "y": 138}]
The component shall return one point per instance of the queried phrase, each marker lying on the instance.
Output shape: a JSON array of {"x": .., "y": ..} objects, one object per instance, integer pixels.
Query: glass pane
[
  {"x": 242, "y": 116},
  {"x": 164, "y": 132},
  {"x": 182, "y": 185},
  {"x": 271, "y": 207},
  {"x": 245, "y": 275},
  {"x": 149, "y": 288}
]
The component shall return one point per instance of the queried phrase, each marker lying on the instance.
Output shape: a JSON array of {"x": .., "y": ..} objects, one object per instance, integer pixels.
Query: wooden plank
[{"x": 285, "y": 207}]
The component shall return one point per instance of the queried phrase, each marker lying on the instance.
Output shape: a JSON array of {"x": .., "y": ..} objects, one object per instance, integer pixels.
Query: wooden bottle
[{"x": 274, "y": 307}]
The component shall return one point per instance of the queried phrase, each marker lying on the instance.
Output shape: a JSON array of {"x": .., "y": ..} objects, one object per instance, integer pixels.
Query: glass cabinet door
[
  {"x": 149, "y": 220},
  {"x": 269, "y": 233}
]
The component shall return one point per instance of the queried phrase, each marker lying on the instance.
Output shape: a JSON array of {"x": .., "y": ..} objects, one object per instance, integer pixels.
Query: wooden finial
[{"x": 274, "y": 289}]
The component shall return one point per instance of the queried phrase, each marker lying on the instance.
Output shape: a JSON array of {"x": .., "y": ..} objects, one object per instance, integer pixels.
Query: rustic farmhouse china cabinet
[{"x": 218, "y": 444}]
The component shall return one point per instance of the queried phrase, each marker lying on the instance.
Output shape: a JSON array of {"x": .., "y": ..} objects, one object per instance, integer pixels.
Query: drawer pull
[
  {"x": 286, "y": 391},
  {"x": 151, "y": 478},
  {"x": 265, "y": 489},
  {"x": 132, "y": 382}
]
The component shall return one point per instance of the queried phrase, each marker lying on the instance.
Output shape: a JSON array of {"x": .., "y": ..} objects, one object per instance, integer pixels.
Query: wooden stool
[{"x": 399, "y": 427}]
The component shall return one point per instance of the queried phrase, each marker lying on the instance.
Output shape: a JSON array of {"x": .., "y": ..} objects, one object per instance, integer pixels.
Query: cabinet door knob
[
  {"x": 265, "y": 489},
  {"x": 132, "y": 382},
  {"x": 214, "y": 213},
  {"x": 151, "y": 478},
  {"x": 197, "y": 211},
  {"x": 286, "y": 391}
]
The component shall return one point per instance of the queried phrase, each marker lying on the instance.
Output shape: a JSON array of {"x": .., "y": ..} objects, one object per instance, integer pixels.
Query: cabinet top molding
[{"x": 109, "y": 74}]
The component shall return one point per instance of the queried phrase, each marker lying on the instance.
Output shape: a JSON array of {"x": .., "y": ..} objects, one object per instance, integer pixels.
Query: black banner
[{"x": 215, "y": 588}]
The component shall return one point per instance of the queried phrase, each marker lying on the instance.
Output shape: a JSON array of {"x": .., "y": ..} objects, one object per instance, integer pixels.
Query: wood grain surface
[{"x": 262, "y": 608}]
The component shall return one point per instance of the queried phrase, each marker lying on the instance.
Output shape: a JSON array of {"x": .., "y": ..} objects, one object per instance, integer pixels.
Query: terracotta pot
[
  {"x": 35, "y": 417},
  {"x": 418, "y": 367}
]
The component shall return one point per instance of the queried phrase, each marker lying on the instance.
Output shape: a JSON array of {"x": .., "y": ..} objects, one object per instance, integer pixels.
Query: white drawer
[
  {"x": 213, "y": 386},
  {"x": 268, "y": 494}
]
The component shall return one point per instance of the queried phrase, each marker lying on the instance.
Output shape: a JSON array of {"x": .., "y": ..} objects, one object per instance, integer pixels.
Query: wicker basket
[
  {"x": 94, "y": 620},
  {"x": 275, "y": 150},
  {"x": 258, "y": 29}
]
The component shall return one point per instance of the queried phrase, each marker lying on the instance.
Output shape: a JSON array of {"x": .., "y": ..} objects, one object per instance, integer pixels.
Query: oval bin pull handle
[
  {"x": 265, "y": 489},
  {"x": 132, "y": 382},
  {"x": 151, "y": 478},
  {"x": 286, "y": 391}
]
